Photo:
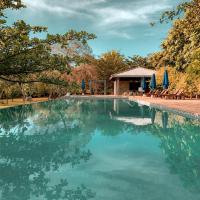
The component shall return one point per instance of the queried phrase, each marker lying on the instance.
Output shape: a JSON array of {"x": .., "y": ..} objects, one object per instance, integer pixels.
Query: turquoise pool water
[{"x": 98, "y": 149}]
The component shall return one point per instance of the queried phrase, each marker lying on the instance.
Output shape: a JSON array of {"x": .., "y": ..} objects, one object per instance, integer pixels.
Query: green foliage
[
  {"x": 180, "y": 50},
  {"x": 109, "y": 63},
  {"x": 194, "y": 67},
  {"x": 184, "y": 37},
  {"x": 156, "y": 60},
  {"x": 25, "y": 58},
  {"x": 11, "y": 4},
  {"x": 74, "y": 88},
  {"x": 175, "y": 13},
  {"x": 138, "y": 61}
]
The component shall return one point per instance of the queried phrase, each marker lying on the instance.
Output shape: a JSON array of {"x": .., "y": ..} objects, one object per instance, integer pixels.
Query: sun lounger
[
  {"x": 171, "y": 95},
  {"x": 180, "y": 95},
  {"x": 163, "y": 93},
  {"x": 193, "y": 96},
  {"x": 157, "y": 93}
]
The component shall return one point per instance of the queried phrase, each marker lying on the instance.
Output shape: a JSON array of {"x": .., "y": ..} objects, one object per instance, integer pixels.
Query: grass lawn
[{"x": 16, "y": 102}]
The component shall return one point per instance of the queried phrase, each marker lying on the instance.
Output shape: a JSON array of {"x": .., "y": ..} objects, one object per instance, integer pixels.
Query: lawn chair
[
  {"x": 180, "y": 95},
  {"x": 163, "y": 93},
  {"x": 171, "y": 95},
  {"x": 156, "y": 93}
]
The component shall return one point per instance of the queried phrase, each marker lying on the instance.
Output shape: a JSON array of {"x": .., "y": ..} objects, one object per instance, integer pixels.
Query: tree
[
  {"x": 22, "y": 56},
  {"x": 138, "y": 61},
  {"x": 184, "y": 37},
  {"x": 27, "y": 59},
  {"x": 108, "y": 64},
  {"x": 5, "y": 4},
  {"x": 193, "y": 71},
  {"x": 180, "y": 50},
  {"x": 156, "y": 60}
]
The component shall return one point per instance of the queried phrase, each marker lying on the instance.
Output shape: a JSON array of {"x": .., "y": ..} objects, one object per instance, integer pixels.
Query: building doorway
[{"x": 134, "y": 85}]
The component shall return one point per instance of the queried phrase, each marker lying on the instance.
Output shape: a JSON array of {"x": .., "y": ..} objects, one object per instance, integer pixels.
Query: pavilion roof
[{"x": 137, "y": 72}]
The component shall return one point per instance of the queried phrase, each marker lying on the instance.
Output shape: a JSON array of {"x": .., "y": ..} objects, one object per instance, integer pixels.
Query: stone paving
[{"x": 17, "y": 102}]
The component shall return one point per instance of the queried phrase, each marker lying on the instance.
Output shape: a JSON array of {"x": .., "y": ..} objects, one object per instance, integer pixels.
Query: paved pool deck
[
  {"x": 190, "y": 107},
  {"x": 17, "y": 102}
]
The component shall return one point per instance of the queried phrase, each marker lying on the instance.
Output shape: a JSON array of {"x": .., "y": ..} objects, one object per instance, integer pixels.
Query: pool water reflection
[{"x": 97, "y": 149}]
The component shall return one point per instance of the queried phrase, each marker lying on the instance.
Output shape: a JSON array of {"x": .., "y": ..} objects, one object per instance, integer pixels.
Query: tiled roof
[{"x": 137, "y": 72}]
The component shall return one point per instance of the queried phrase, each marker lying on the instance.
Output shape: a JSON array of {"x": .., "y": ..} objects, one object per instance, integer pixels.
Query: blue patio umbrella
[
  {"x": 166, "y": 80},
  {"x": 144, "y": 84},
  {"x": 83, "y": 85},
  {"x": 153, "y": 82}
]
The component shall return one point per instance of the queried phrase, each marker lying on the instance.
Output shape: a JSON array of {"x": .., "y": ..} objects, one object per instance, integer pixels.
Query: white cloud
[
  {"x": 122, "y": 17},
  {"x": 105, "y": 15},
  {"x": 119, "y": 34},
  {"x": 37, "y": 5},
  {"x": 65, "y": 6}
]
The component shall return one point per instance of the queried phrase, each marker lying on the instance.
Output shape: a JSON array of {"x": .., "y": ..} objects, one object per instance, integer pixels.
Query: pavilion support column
[
  {"x": 105, "y": 87},
  {"x": 117, "y": 86}
]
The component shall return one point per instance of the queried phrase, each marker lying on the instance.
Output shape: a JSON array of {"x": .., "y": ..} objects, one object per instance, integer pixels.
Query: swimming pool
[{"x": 98, "y": 149}]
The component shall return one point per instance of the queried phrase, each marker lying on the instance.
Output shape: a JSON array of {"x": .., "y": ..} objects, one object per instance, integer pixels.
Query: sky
[{"x": 123, "y": 25}]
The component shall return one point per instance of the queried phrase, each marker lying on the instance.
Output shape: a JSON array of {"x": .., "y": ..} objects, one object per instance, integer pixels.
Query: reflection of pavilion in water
[
  {"x": 131, "y": 113},
  {"x": 138, "y": 115}
]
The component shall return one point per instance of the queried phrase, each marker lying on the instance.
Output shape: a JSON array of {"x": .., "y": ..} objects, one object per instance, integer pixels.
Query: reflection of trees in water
[
  {"x": 181, "y": 145},
  {"x": 27, "y": 156},
  {"x": 15, "y": 117}
]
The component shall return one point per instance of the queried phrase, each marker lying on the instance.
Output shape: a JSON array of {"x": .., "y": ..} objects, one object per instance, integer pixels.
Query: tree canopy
[
  {"x": 27, "y": 58},
  {"x": 9, "y": 4},
  {"x": 138, "y": 61},
  {"x": 184, "y": 37},
  {"x": 109, "y": 63}
]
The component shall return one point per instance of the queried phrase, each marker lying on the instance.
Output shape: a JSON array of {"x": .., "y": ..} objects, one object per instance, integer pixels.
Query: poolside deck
[
  {"x": 188, "y": 106},
  {"x": 17, "y": 102}
]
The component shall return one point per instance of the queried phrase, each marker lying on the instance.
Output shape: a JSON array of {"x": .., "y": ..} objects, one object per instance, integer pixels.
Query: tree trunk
[
  {"x": 23, "y": 92},
  {"x": 1, "y": 95}
]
